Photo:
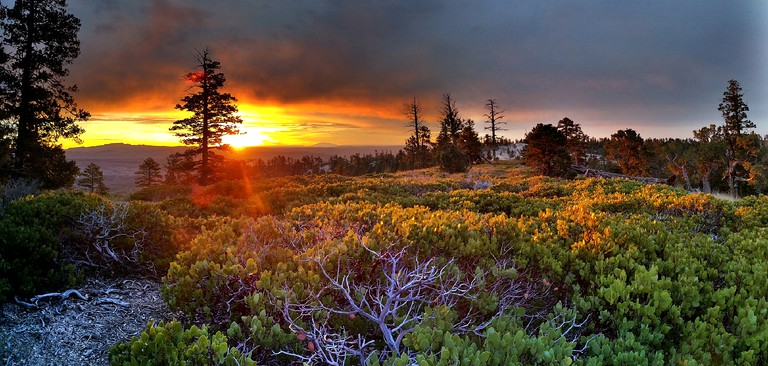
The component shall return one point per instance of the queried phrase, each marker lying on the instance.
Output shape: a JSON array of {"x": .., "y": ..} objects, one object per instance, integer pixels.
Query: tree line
[{"x": 729, "y": 157}]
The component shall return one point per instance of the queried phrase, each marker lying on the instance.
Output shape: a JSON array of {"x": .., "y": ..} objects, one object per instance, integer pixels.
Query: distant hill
[{"x": 120, "y": 161}]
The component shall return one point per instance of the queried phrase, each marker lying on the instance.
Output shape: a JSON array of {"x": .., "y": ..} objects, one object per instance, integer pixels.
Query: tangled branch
[
  {"x": 102, "y": 228},
  {"x": 395, "y": 301}
]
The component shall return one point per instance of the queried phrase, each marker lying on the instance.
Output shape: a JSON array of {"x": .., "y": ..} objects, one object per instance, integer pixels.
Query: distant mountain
[
  {"x": 324, "y": 144},
  {"x": 123, "y": 152},
  {"x": 119, "y": 162}
]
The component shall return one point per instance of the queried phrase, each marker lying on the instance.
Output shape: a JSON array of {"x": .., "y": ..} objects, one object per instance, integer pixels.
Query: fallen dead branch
[
  {"x": 109, "y": 300},
  {"x": 33, "y": 303},
  {"x": 587, "y": 172},
  {"x": 24, "y": 303},
  {"x": 60, "y": 295}
]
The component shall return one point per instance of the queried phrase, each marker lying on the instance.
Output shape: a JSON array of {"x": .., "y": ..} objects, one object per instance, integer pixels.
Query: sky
[{"x": 321, "y": 71}]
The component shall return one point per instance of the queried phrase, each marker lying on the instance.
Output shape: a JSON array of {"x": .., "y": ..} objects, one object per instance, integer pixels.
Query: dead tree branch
[
  {"x": 587, "y": 172},
  {"x": 102, "y": 227},
  {"x": 394, "y": 298}
]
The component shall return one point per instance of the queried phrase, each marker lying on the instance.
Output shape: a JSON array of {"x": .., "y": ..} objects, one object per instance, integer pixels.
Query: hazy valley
[{"x": 119, "y": 162}]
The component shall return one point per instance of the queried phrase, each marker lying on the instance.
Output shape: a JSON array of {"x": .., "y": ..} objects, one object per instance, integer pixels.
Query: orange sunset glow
[
  {"x": 262, "y": 126},
  {"x": 308, "y": 74}
]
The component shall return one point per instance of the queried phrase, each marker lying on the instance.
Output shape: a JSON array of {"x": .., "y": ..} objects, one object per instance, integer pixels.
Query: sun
[{"x": 251, "y": 137}]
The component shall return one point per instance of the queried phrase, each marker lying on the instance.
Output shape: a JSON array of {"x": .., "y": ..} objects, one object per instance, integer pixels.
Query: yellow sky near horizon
[{"x": 262, "y": 126}]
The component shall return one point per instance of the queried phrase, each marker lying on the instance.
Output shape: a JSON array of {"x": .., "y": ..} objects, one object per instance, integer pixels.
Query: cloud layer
[{"x": 657, "y": 66}]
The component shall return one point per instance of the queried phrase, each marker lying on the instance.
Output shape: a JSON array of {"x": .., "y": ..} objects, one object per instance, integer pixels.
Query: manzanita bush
[{"x": 432, "y": 269}]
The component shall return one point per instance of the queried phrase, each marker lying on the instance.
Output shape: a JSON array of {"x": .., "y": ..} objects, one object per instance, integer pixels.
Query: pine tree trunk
[
  {"x": 706, "y": 186},
  {"x": 732, "y": 188},
  {"x": 687, "y": 179},
  {"x": 25, "y": 138},
  {"x": 204, "y": 168}
]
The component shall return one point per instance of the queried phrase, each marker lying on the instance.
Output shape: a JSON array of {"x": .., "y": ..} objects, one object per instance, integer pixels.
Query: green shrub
[
  {"x": 153, "y": 230},
  {"x": 31, "y": 233},
  {"x": 170, "y": 344},
  {"x": 161, "y": 193},
  {"x": 47, "y": 241},
  {"x": 182, "y": 207}
]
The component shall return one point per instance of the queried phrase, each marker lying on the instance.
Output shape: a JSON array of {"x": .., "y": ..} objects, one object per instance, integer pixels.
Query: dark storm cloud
[
  {"x": 130, "y": 51},
  {"x": 651, "y": 62}
]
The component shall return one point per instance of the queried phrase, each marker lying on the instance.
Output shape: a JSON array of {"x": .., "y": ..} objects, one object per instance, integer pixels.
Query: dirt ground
[{"x": 72, "y": 331}]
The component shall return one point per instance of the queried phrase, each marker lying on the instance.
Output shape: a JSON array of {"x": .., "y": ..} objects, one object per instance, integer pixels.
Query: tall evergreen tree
[
  {"x": 214, "y": 116},
  {"x": 742, "y": 148},
  {"x": 450, "y": 124},
  {"x": 148, "y": 173},
  {"x": 626, "y": 149},
  {"x": 734, "y": 111},
  {"x": 39, "y": 41},
  {"x": 469, "y": 142},
  {"x": 448, "y": 154},
  {"x": 494, "y": 120}
]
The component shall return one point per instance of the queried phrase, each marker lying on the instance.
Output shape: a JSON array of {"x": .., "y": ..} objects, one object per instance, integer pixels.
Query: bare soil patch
[{"x": 72, "y": 331}]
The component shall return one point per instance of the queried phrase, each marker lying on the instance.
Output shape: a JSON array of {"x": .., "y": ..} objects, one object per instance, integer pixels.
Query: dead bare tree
[
  {"x": 494, "y": 119},
  {"x": 570, "y": 331}
]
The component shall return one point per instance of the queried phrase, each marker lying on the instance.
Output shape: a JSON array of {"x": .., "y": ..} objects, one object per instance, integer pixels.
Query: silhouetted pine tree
[
  {"x": 742, "y": 148},
  {"x": 214, "y": 116}
]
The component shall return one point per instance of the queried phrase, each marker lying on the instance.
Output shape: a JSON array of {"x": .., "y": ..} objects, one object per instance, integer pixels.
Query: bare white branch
[
  {"x": 105, "y": 225},
  {"x": 394, "y": 298}
]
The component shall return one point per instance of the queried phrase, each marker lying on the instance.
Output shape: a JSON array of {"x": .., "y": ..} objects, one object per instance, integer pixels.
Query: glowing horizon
[{"x": 262, "y": 126}]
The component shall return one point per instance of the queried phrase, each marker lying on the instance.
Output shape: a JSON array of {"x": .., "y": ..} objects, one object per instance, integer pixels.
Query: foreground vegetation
[
  {"x": 496, "y": 268},
  {"x": 499, "y": 267}
]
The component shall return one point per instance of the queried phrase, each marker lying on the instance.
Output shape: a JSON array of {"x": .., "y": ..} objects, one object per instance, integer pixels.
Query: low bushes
[
  {"x": 170, "y": 344},
  {"x": 51, "y": 240}
]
